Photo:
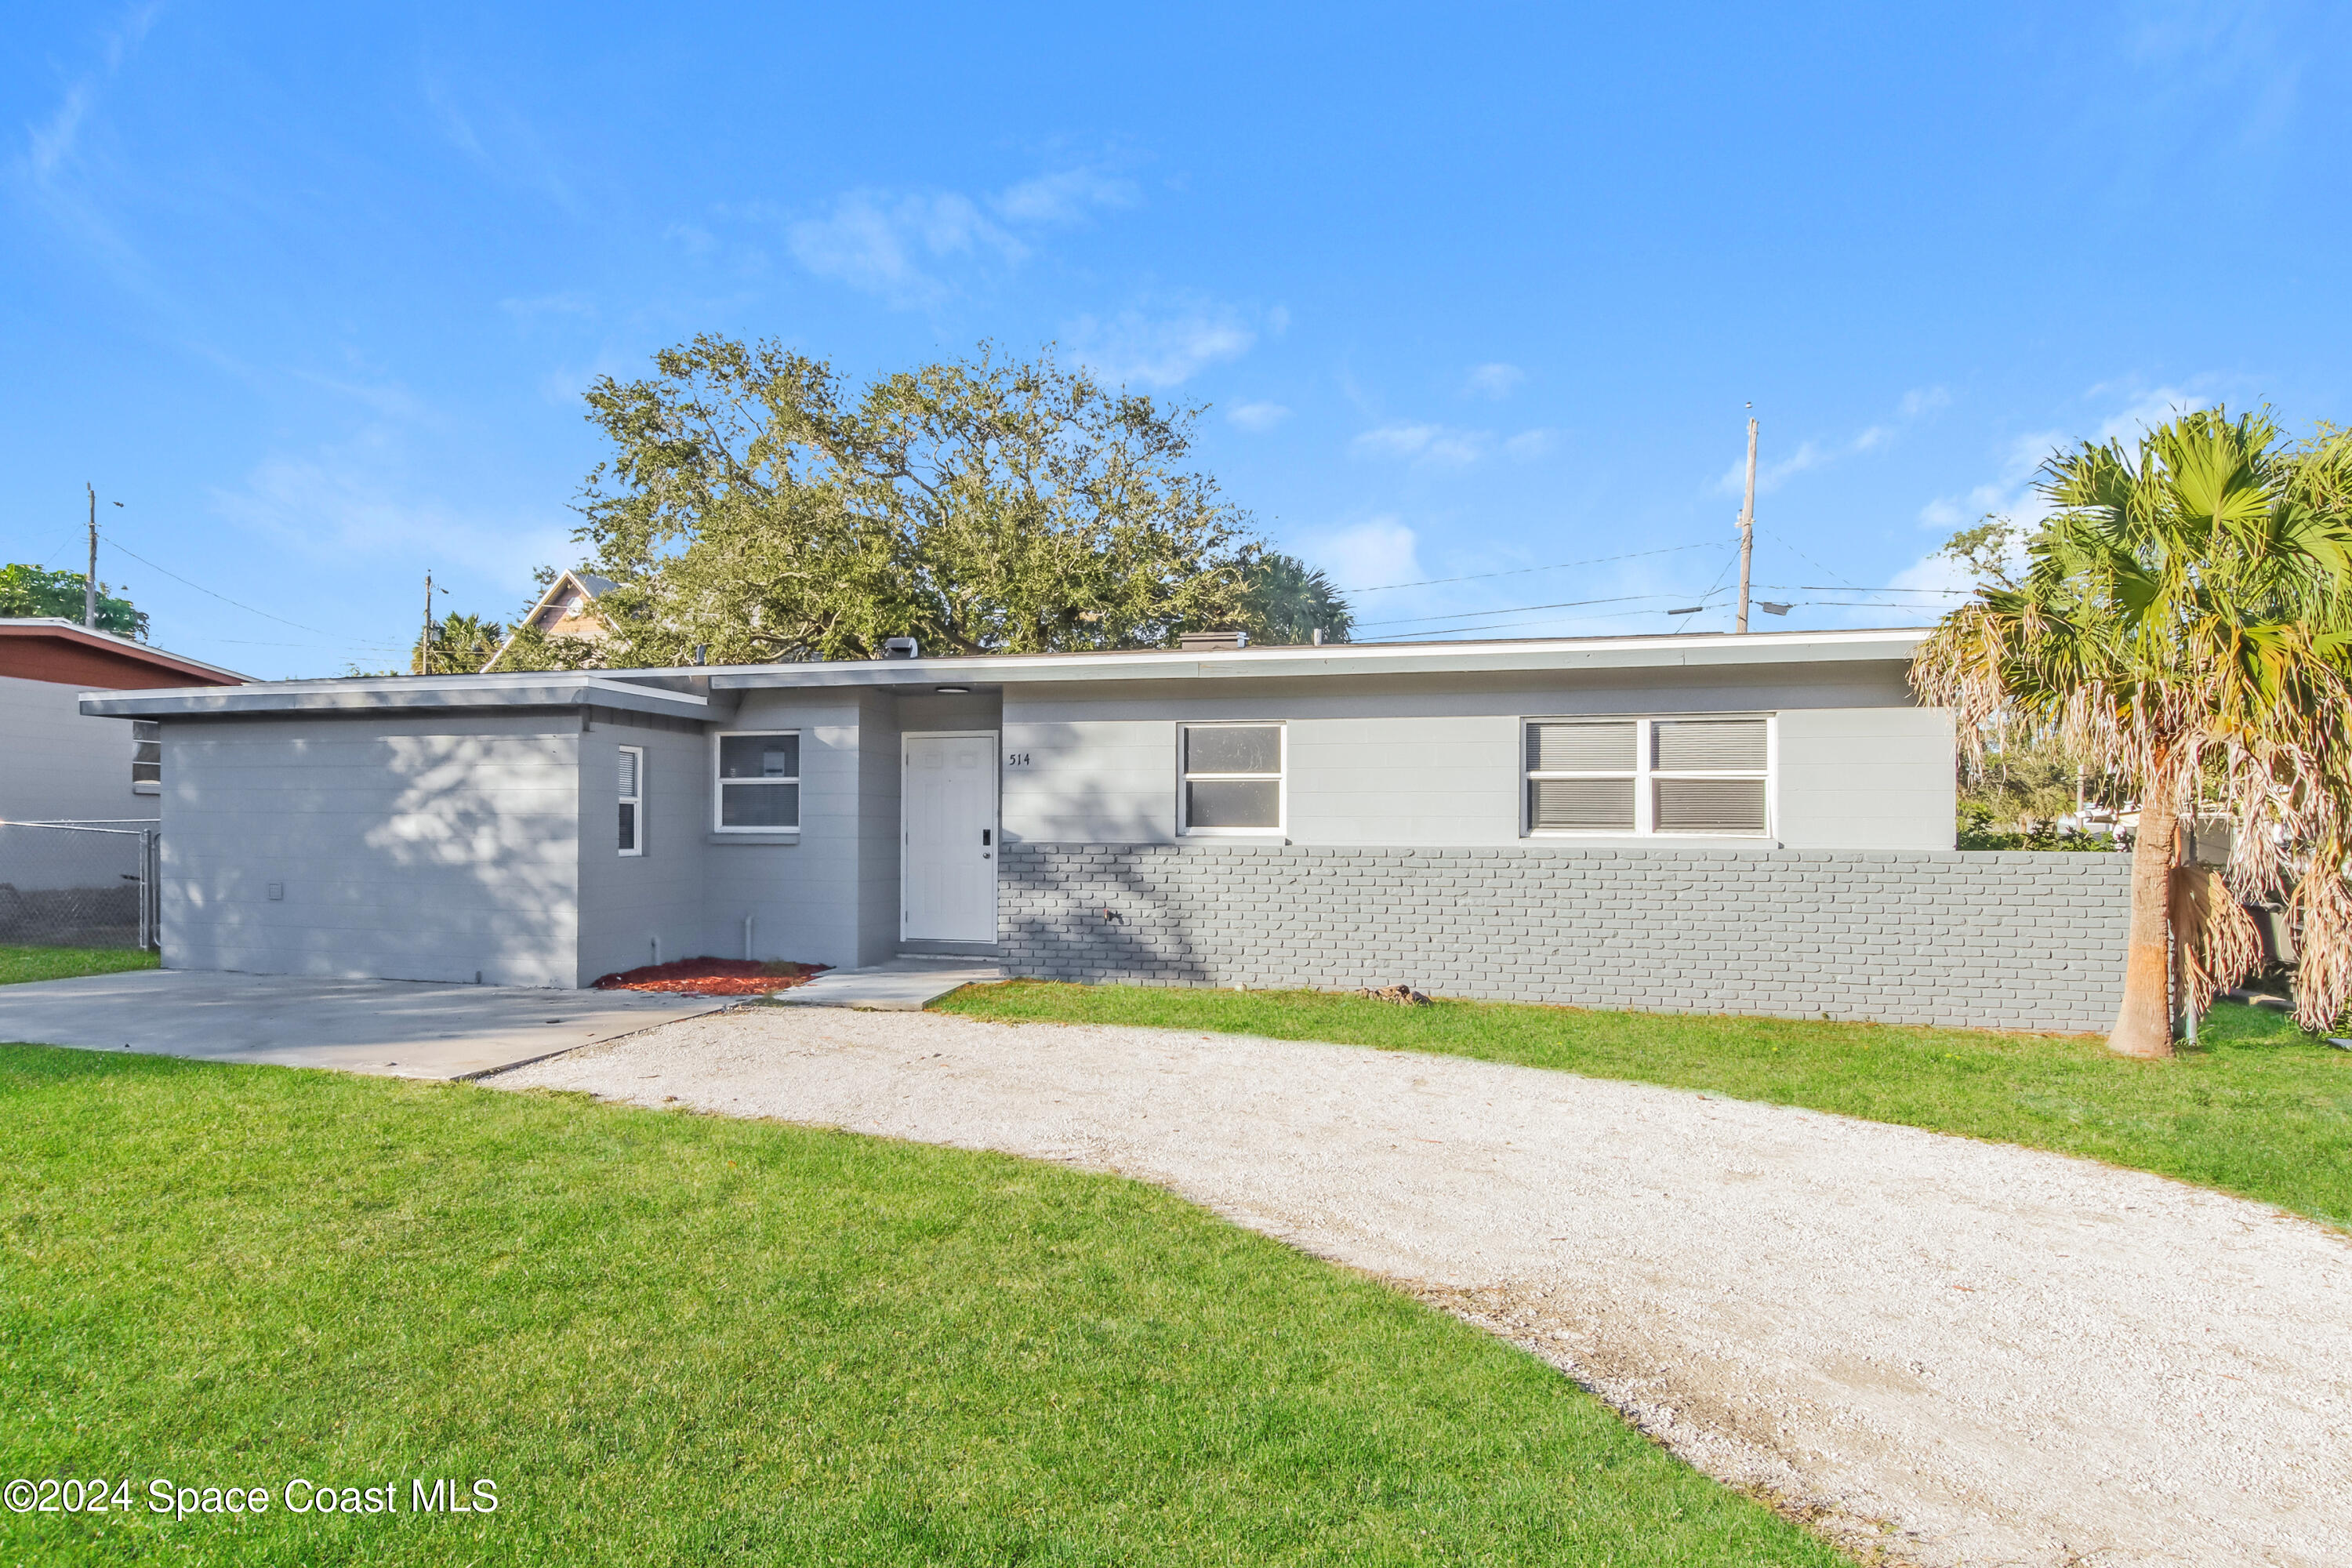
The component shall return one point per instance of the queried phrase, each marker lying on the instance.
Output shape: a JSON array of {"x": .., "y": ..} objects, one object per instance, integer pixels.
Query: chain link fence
[{"x": 78, "y": 884}]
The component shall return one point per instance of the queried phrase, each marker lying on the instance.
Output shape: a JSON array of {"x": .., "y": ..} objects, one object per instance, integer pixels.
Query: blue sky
[{"x": 314, "y": 291}]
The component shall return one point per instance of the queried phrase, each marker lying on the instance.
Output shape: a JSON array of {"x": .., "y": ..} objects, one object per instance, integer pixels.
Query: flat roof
[
  {"x": 1663, "y": 650},
  {"x": 681, "y": 691},
  {"x": 385, "y": 694}
]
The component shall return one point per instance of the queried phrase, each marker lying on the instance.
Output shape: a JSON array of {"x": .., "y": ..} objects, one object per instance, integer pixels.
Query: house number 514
[{"x": 1016, "y": 759}]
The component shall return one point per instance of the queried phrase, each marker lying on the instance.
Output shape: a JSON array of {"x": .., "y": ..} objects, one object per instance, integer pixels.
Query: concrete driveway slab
[
  {"x": 901, "y": 985},
  {"x": 397, "y": 1028}
]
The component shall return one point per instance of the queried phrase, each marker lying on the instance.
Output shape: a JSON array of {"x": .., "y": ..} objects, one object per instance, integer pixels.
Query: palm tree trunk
[{"x": 2144, "y": 1022}]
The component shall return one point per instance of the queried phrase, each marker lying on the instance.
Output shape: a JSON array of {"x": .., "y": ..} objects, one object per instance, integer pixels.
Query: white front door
[{"x": 947, "y": 808}]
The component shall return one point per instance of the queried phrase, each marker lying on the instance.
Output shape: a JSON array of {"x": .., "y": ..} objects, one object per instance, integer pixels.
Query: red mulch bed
[{"x": 713, "y": 977}]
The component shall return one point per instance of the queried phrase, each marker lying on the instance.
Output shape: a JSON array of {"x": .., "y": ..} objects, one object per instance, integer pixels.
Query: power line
[
  {"x": 224, "y": 599},
  {"x": 1850, "y": 589},
  {"x": 1865, "y": 604},
  {"x": 1511, "y": 610},
  {"x": 1810, "y": 562},
  {"x": 1540, "y": 621},
  {"x": 1522, "y": 571}
]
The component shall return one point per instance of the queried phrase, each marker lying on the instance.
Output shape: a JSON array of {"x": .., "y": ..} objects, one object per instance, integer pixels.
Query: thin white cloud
[
  {"x": 571, "y": 302},
  {"x": 1771, "y": 475},
  {"x": 2010, "y": 494},
  {"x": 1529, "y": 445},
  {"x": 1378, "y": 551},
  {"x": 913, "y": 249},
  {"x": 1922, "y": 400},
  {"x": 51, "y": 145},
  {"x": 887, "y": 246},
  {"x": 352, "y": 499},
  {"x": 2224, "y": 58},
  {"x": 1494, "y": 379},
  {"x": 1436, "y": 444},
  {"x": 1063, "y": 197},
  {"x": 1140, "y": 348},
  {"x": 1258, "y": 417},
  {"x": 500, "y": 140},
  {"x": 2148, "y": 410}
]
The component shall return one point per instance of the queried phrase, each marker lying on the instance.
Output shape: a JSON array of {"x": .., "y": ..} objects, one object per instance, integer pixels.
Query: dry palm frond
[
  {"x": 2321, "y": 911},
  {"x": 2219, "y": 945}
]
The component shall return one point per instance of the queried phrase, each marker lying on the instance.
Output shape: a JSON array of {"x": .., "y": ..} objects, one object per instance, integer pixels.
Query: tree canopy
[
  {"x": 757, "y": 503},
  {"x": 28, "y": 591},
  {"x": 2185, "y": 619}
]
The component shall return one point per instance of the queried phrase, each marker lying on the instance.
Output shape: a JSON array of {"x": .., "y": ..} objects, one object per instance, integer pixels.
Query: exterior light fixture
[{"x": 953, "y": 690}]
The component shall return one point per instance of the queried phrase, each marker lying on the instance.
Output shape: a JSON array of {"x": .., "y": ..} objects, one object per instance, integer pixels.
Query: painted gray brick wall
[{"x": 1989, "y": 939}]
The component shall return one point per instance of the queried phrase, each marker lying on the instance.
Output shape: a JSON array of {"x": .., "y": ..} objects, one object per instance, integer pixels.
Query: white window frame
[
  {"x": 1646, "y": 775},
  {"x": 1184, "y": 828},
  {"x": 146, "y": 733},
  {"x": 719, "y": 785},
  {"x": 637, "y": 845}
]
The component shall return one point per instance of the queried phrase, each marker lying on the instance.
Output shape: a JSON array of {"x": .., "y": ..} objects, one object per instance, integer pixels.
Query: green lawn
[
  {"x": 64, "y": 963},
  {"x": 671, "y": 1338},
  {"x": 2260, "y": 1109}
]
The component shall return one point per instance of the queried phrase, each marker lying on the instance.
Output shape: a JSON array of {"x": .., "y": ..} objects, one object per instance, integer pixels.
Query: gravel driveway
[{"x": 1961, "y": 1352}]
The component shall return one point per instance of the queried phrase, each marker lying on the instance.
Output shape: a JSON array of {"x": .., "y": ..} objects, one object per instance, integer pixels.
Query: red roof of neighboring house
[{"x": 73, "y": 655}]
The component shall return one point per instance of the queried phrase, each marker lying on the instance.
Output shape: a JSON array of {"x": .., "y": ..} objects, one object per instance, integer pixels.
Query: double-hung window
[
  {"x": 632, "y": 800},
  {"x": 758, "y": 787},
  {"x": 1695, "y": 776},
  {"x": 146, "y": 756},
  {"x": 1230, "y": 782}
]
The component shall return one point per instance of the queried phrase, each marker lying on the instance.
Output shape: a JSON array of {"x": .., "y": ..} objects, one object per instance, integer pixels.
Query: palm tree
[
  {"x": 1286, "y": 601},
  {"x": 460, "y": 644},
  {"x": 2183, "y": 619}
]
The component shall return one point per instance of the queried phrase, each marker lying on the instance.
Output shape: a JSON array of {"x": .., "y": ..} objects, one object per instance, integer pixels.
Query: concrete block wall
[
  {"x": 2010, "y": 940},
  {"x": 432, "y": 846}
]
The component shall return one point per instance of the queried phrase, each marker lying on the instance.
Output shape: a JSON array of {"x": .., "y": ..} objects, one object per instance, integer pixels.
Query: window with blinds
[
  {"x": 632, "y": 800},
  {"x": 1644, "y": 776},
  {"x": 1582, "y": 776}
]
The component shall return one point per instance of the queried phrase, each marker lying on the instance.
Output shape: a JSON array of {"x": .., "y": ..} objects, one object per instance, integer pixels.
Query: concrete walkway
[
  {"x": 397, "y": 1028},
  {"x": 901, "y": 985},
  {"x": 1960, "y": 1353}
]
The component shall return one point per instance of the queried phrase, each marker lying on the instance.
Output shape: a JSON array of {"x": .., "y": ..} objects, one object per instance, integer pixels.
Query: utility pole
[
  {"x": 1747, "y": 523},
  {"x": 89, "y": 583},
  {"x": 425, "y": 638}
]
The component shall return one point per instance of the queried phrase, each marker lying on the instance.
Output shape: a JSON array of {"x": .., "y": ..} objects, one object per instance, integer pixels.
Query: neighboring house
[
  {"x": 57, "y": 763},
  {"x": 1753, "y": 824},
  {"x": 568, "y": 609}
]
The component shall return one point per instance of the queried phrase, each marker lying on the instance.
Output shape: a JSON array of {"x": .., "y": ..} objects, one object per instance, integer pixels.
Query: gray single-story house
[{"x": 1756, "y": 824}]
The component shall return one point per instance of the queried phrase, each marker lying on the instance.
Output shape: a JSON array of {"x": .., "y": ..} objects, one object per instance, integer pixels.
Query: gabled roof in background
[
  {"x": 547, "y": 612},
  {"x": 51, "y": 648}
]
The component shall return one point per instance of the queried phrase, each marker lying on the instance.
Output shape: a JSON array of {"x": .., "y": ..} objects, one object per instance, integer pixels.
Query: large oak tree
[{"x": 757, "y": 504}]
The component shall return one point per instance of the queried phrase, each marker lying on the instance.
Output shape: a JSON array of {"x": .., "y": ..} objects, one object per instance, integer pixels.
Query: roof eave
[
  {"x": 399, "y": 695},
  {"x": 112, "y": 642},
  {"x": 1348, "y": 659}
]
